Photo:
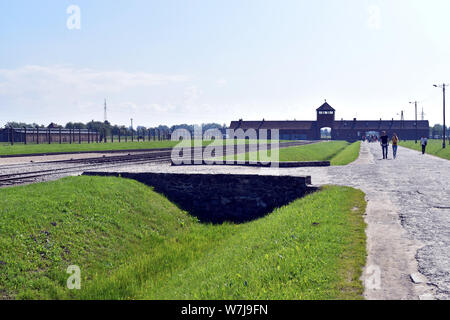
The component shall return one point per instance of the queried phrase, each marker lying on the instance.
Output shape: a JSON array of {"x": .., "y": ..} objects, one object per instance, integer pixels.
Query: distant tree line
[
  {"x": 114, "y": 129},
  {"x": 436, "y": 131}
]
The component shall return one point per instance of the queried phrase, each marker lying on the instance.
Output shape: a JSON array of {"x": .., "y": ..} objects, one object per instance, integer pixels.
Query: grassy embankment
[
  {"x": 434, "y": 147},
  {"x": 132, "y": 243},
  {"x": 6, "y": 149},
  {"x": 337, "y": 152},
  {"x": 20, "y": 148}
]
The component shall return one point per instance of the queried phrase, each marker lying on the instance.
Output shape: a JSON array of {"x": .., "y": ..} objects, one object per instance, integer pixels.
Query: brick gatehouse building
[{"x": 350, "y": 130}]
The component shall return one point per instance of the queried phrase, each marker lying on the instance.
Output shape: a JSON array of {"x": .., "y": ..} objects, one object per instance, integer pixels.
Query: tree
[
  {"x": 208, "y": 126},
  {"x": 95, "y": 125},
  {"x": 163, "y": 128},
  {"x": 437, "y": 130},
  {"x": 16, "y": 125},
  {"x": 187, "y": 127}
]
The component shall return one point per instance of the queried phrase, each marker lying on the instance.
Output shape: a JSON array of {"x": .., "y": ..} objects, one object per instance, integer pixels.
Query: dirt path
[
  {"x": 408, "y": 220},
  {"x": 408, "y": 217}
]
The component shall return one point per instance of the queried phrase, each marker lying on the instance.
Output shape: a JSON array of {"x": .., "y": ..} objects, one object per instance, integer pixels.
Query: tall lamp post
[
  {"x": 444, "y": 129},
  {"x": 415, "y": 103},
  {"x": 132, "y": 130}
]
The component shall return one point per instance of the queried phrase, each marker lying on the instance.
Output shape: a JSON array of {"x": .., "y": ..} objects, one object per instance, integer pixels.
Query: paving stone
[{"x": 417, "y": 278}]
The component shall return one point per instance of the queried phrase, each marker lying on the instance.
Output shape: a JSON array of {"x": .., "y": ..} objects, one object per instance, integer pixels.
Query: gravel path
[
  {"x": 408, "y": 217},
  {"x": 412, "y": 192}
]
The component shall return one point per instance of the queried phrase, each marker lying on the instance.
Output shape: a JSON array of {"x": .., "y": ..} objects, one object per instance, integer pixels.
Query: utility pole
[
  {"x": 443, "y": 138},
  {"x": 402, "y": 119},
  {"x": 105, "y": 115},
  {"x": 415, "y": 103},
  {"x": 444, "y": 128},
  {"x": 132, "y": 132}
]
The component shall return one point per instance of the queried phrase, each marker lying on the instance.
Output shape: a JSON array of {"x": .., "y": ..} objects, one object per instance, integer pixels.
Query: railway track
[
  {"x": 37, "y": 171},
  {"x": 32, "y": 176}
]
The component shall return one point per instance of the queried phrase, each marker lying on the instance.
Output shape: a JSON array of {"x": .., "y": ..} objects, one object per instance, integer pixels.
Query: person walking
[
  {"x": 424, "y": 142},
  {"x": 385, "y": 144},
  {"x": 395, "y": 145}
]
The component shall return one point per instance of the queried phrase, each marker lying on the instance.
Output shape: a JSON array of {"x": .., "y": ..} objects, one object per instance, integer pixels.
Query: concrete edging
[{"x": 287, "y": 164}]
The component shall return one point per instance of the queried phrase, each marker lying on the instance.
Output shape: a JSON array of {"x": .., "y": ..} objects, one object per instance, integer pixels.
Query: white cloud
[
  {"x": 64, "y": 93},
  {"x": 221, "y": 83},
  {"x": 374, "y": 20},
  {"x": 60, "y": 94},
  {"x": 192, "y": 94},
  {"x": 85, "y": 81}
]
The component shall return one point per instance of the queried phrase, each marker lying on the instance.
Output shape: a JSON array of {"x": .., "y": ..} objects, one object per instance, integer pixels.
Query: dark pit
[{"x": 218, "y": 198}]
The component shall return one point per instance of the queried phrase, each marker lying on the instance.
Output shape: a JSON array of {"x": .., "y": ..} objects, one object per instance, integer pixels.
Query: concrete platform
[{"x": 282, "y": 164}]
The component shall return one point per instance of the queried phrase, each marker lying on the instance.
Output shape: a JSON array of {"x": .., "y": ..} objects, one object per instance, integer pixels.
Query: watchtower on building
[{"x": 325, "y": 116}]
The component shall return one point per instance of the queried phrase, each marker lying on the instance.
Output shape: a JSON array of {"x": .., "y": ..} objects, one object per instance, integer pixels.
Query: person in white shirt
[{"x": 424, "y": 142}]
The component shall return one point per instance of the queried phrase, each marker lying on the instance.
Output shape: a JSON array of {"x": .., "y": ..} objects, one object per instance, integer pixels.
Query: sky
[{"x": 200, "y": 61}]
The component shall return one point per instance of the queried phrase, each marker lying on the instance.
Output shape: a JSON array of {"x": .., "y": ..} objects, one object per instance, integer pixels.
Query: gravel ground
[
  {"x": 55, "y": 163},
  {"x": 60, "y": 157},
  {"x": 52, "y": 167},
  {"x": 408, "y": 216}
]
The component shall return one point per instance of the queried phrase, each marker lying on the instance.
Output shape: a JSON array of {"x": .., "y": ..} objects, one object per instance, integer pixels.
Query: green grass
[
  {"x": 434, "y": 147},
  {"x": 337, "y": 152},
  {"x": 347, "y": 155},
  {"x": 132, "y": 243},
  {"x": 16, "y": 149},
  {"x": 20, "y": 148}
]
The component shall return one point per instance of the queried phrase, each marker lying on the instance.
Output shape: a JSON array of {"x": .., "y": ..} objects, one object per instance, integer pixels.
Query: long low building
[
  {"x": 350, "y": 130},
  {"x": 47, "y": 135}
]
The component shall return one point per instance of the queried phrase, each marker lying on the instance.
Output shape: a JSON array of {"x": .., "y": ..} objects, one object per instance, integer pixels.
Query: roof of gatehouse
[{"x": 325, "y": 107}]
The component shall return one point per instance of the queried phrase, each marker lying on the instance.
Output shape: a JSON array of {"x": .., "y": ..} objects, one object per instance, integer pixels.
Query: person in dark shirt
[{"x": 384, "y": 144}]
